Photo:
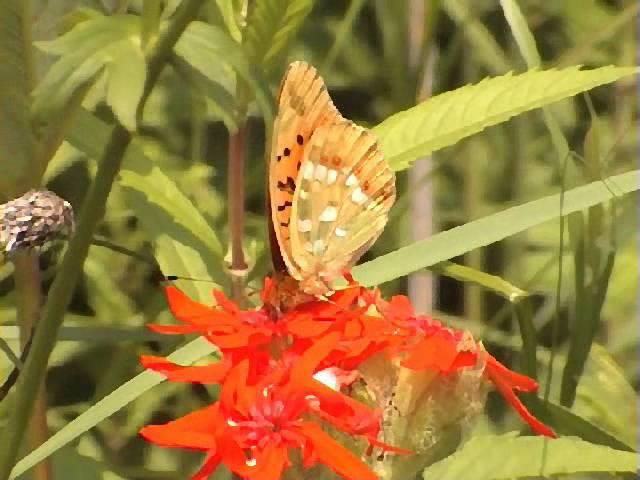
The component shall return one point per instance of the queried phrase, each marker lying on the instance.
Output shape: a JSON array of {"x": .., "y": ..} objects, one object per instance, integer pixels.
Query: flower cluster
[{"x": 284, "y": 373}]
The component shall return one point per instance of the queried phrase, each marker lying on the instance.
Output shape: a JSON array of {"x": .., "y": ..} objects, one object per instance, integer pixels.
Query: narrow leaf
[
  {"x": 506, "y": 457},
  {"x": 447, "y": 118},
  {"x": 109, "y": 405},
  {"x": 487, "y": 230},
  {"x": 490, "y": 282}
]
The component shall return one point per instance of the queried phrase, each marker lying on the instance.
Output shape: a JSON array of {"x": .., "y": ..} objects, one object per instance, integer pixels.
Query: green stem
[{"x": 63, "y": 286}]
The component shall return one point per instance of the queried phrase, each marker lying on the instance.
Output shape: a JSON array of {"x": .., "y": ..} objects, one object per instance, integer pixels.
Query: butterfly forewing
[
  {"x": 303, "y": 106},
  {"x": 330, "y": 188}
]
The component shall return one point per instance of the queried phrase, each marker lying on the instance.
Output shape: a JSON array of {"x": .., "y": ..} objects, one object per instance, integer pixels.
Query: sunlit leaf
[
  {"x": 185, "y": 243},
  {"x": 272, "y": 23},
  {"x": 478, "y": 233},
  {"x": 101, "y": 44},
  {"x": 215, "y": 54},
  {"x": 506, "y": 457},
  {"x": 447, "y": 118}
]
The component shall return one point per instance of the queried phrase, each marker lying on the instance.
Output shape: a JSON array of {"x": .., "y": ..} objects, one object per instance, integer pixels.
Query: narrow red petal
[
  {"x": 506, "y": 381},
  {"x": 183, "y": 307},
  {"x": 173, "y": 329},
  {"x": 513, "y": 379},
  {"x": 168, "y": 436},
  {"x": 335, "y": 456},
  {"x": 205, "y": 374},
  {"x": 208, "y": 467},
  {"x": 270, "y": 463}
]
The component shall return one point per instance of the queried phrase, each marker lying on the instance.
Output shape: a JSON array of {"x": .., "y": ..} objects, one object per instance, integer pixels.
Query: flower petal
[
  {"x": 506, "y": 381},
  {"x": 335, "y": 456},
  {"x": 206, "y": 374}
]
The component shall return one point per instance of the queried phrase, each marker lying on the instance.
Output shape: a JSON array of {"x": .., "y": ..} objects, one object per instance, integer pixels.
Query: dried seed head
[{"x": 34, "y": 220}]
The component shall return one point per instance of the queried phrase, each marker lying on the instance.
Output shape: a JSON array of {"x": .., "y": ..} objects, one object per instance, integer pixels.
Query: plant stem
[
  {"x": 63, "y": 286},
  {"x": 28, "y": 304},
  {"x": 235, "y": 194}
]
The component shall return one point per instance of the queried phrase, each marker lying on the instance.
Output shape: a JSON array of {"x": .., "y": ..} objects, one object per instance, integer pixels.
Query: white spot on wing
[
  {"x": 321, "y": 173},
  {"x": 304, "y": 225},
  {"x": 351, "y": 180},
  {"x": 318, "y": 247},
  {"x": 340, "y": 232},
  {"x": 358, "y": 196},
  {"x": 303, "y": 194},
  {"x": 307, "y": 170},
  {"x": 332, "y": 175},
  {"x": 329, "y": 214}
]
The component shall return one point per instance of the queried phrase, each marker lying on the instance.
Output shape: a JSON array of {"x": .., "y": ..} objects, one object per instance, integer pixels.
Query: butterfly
[{"x": 330, "y": 188}]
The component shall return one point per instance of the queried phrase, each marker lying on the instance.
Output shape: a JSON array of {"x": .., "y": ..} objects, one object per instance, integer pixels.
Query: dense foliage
[{"x": 135, "y": 111}]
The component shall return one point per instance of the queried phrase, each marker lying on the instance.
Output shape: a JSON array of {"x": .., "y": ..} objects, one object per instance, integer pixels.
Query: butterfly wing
[
  {"x": 344, "y": 192},
  {"x": 303, "y": 106}
]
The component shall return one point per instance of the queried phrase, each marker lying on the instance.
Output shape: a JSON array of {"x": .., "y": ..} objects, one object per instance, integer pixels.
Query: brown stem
[
  {"x": 29, "y": 299},
  {"x": 235, "y": 198}
]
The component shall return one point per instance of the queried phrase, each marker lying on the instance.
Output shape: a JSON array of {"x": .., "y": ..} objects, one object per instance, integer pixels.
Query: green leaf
[
  {"x": 567, "y": 422},
  {"x": 604, "y": 396},
  {"x": 521, "y": 32},
  {"x": 490, "y": 229},
  {"x": 485, "y": 280},
  {"x": 447, "y": 118},
  {"x": 185, "y": 243},
  {"x": 272, "y": 23},
  {"x": 506, "y": 457},
  {"x": 109, "y": 44},
  {"x": 214, "y": 53},
  {"x": 127, "y": 73},
  {"x": 109, "y": 405},
  {"x": 16, "y": 137}
]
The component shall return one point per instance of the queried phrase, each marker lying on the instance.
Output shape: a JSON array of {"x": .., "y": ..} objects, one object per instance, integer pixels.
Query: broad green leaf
[
  {"x": 109, "y": 405},
  {"x": 101, "y": 44},
  {"x": 215, "y": 54},
  {"x": 16, "y": 137},
  {"x": 271, "y": 24},
  {"x": 486, "y": 280},
  {"x": 447, "y": 118},
  {"x": 490, "y": 229},
  {"x": 507, "y": 457},
  {"x": 185, "y": 243}
]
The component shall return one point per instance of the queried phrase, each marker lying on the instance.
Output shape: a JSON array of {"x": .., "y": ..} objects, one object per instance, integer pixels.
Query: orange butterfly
[{"x": 330, "y": 188}]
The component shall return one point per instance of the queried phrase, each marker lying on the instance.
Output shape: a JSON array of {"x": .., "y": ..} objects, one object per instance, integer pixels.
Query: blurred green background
[{"x": 378, "y": 57}]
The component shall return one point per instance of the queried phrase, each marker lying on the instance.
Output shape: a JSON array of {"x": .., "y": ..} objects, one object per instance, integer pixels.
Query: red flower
[
  {"x": 271, "y": 400},
  {"x": 251, "y": 429}
]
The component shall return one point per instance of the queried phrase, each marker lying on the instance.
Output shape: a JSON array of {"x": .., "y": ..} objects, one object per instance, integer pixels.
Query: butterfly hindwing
[{"x": 345, "y": 190}]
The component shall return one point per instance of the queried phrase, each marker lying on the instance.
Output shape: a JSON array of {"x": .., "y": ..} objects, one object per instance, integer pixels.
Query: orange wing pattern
[{"x": 330, "y": 188}]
